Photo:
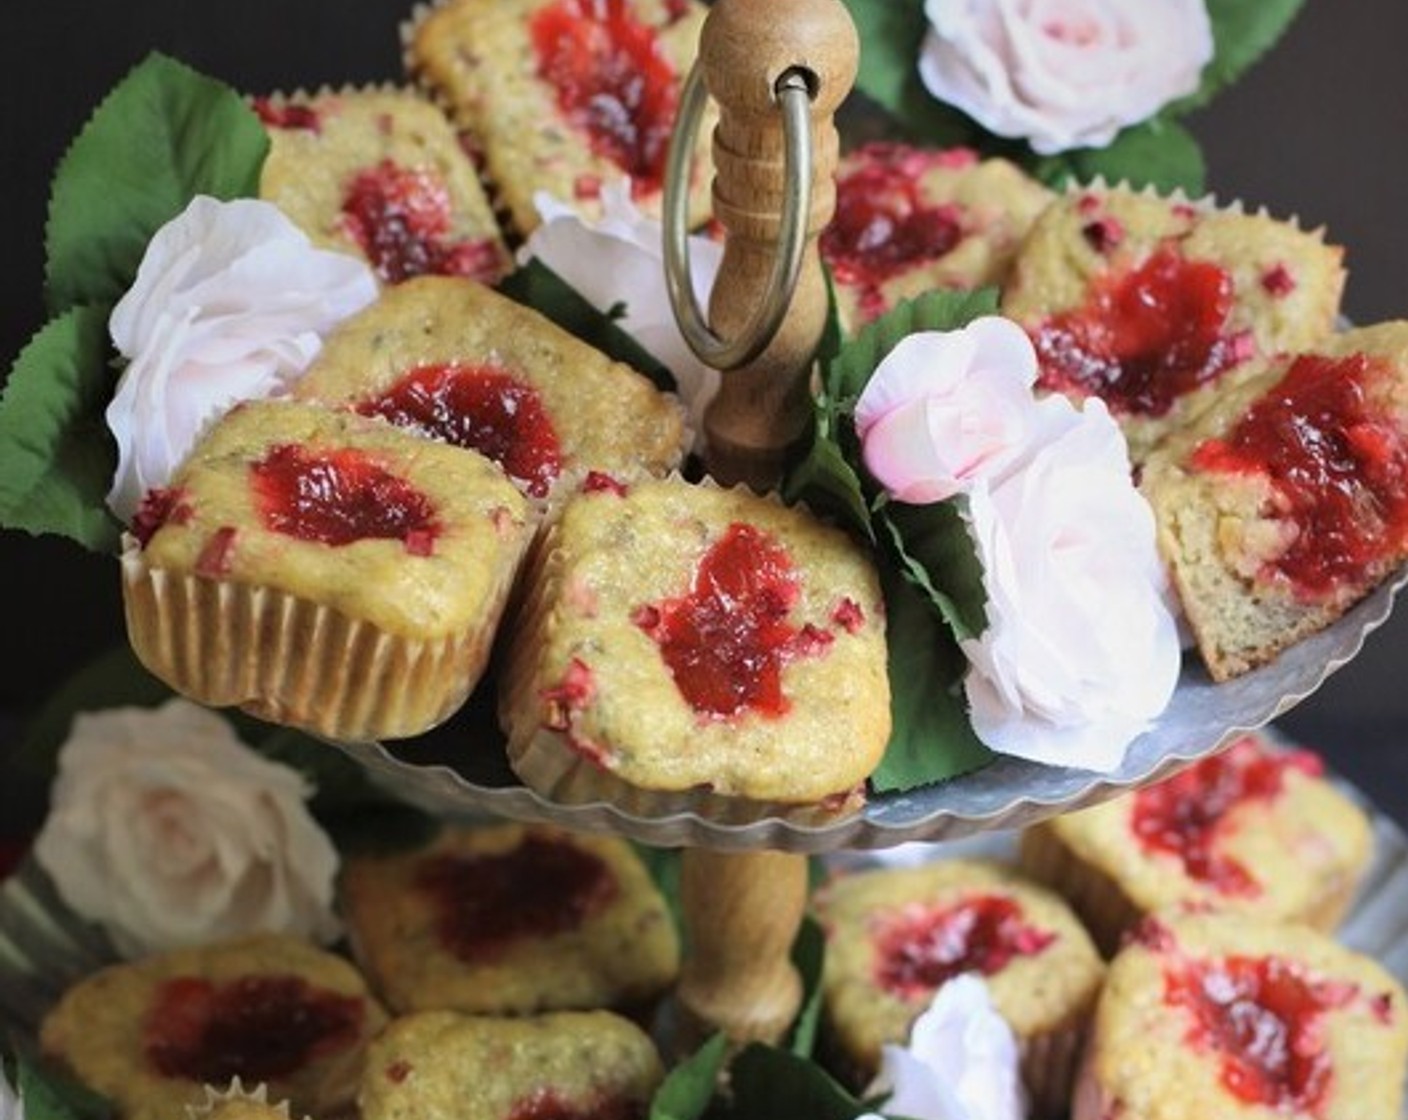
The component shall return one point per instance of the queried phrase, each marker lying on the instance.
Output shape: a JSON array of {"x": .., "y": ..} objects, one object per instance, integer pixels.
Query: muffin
[
  {"x": 562, "y": 96},
  {"x": 510, "y": 919},
  {"x": 1158, "y": 305},
  {"x": 152, "y": 1034},
  {"x": 452, "y": 358},
  {"x": 911, "y": 219},
  {"x": 894, "y": 936},
  {"x": 323, "y": 570},
  {"x": 1287, "y": 502},
  {"x": 1256, "y": 829},
  {"x": 441, "y": 1065},
  {"x": 381, "y": 173},
  {"x": 690, "y": 647},
  {"x": 1229, "y": 1016}
]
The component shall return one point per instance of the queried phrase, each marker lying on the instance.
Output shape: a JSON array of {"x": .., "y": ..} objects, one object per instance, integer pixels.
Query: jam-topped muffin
[
  {"x": 894, "y": 936},
  {"x": 453, "y": 359},
  {"x": 686, "y": 646},
  {"x": 441, "y": 1065},
  {"x": 152, "y": 1034},
  {"x": 563, "y": 96},
  {"x": 912, "y": 219},
  {"x": 381, "y": 173},
  {"x": 1287, "y": 502},
  {"x": 1227, "y": 1016},
  {"x": 508, "y": 919},
  {"x": 1157, "y": 305},
  {"x": 1256, "y": 829},
  {"x": 324, "y": 570}
]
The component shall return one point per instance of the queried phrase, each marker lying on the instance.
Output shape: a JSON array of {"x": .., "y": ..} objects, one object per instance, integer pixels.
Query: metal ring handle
[{"x": 793, "y": 93}]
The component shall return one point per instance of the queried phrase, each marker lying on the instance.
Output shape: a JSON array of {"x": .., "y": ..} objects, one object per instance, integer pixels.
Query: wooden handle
[
  {"x": 742, "y": 911},
  {"x": 746, "y": 47}
]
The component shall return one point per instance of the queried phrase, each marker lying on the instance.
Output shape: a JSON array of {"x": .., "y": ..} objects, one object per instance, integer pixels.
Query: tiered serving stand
[{"x": 777, "y": 71}]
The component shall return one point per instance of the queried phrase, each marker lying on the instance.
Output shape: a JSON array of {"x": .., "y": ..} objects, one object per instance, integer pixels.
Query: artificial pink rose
[
  {"x": 1063, "y": 74},
  {"x": 1081, "y": 651},
  {"x": 947, "y": 407}
]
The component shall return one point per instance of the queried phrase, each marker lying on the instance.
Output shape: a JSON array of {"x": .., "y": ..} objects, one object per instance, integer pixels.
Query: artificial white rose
[
  {"x": 231, "y": 302},
  {"x": 961, "y": 1062},
  {"x": 619, "y": 262},
  {"x": 1081, "y": 651},
  {"x": 945, "y": 408},
  {"x": 11, "y": 1106},
  {"x": 167, "y": 830},
  {"x": 1063, "y": 74}
]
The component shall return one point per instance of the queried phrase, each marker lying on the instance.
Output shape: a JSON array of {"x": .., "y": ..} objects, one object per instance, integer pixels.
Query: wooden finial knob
[{"x": 747, "y": 48}]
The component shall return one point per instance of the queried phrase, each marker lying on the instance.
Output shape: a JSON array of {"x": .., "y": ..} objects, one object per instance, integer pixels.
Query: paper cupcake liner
[
  {"x": 1050, "y": 1062},
  {"x": 297, "y": 662},
  {"x": 1103, "y": 907},
  {"x": 44, "y": 948},
  {"x": 545, "y": 759}
]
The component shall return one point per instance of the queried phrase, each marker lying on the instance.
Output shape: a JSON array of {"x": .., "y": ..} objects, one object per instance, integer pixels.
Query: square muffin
[
  {"x": 1242, "y": 1019},
  {"x": 324, "y": 570},
  {"x": 511, "y": 919},
  {"x": 152, "y": 1034},
  {"x": 453, "y": 359},
  {"x": 685, "y": 646},
  {"x": 565, "y": 95},
  {"x": 912, "y": 219},
  {"x": 381, "y": 173},
  {"x": 1256, "y": 829},
  {"x": 1158, "y": 305},
  {"x": 440, "y": 1065},
  {"x": 894, "y": 936},
  {"x": 1286, "y": 502}
]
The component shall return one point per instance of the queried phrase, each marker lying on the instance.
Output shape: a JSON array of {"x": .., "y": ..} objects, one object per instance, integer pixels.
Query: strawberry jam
[
  {"x": 340, "y": 497},
  {"x": 1185, "y": 816},
  {"x": 613, "y": 82},
  {"x": 1264, "y": 1018},
  {"x": 287, "y": 116},
  {"x": 539, "y": 889},
  {"x": 544, "y": 1104},
  {"x": 1144, "y": 338},
  {"x": 726, "y": 642},
  {"x": 255, "y": 1028},
  {"x": 401, "y": 218},
  {"x": 883, "y": 226},
  {"x": 482, "y": 407},
  {"x": 159, "y": 506},
  {"x": 920, "y": 948},
  {"x": 1339, "y": 469}
]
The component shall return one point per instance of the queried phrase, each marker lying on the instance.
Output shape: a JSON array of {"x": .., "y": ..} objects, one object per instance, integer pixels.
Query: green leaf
[
  {"x": 769, "y": 1082},
  {"x": 163, "y": 135},
  {"x": 537, "y": 286},
  {"x": 808, "y": 955},
  {"x": 890, "y": 37},
  {"x": 1243, "y": 31},
  {"x": 50, "y": 1095},
  {"x": 937, "y": 555},
  {"x": 932, "y": 738},
  {"x": 59, "y": 457},
  {"x": 830, "y": 487},
  {"x": 688, "y": 1090},
  {"x": 1159, "y": 153}
]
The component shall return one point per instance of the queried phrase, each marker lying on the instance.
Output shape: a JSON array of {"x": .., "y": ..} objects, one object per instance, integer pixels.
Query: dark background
[{"x": 1319, "y": 130}]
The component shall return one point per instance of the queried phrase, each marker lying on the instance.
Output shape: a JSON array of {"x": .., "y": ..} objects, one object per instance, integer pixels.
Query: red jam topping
[
  {"x": 538, "y": 889},
  {"x": 1186, "y": 815},
  {"x": 303, "y": 117},
  {"x": 1264, "y": 1019},
  {"x": 482, "y": 407},
  {"x": 1339, "y": 469},
  {"x": 883, "y": 226},
  {"x": 613, "y": 82},
  {"x": 158, "y": 506},
  {"x": 920, "y": 948},
  {"x": 544, "y": 1104},
  {"x": 214, "y": 559},
  {"x": 1144, "y": 338},
  {"x": 256, "y": 1027},
  {"x": 401, "y": 218},
  {"x": 726, "y": 642},
  {"x": 340, "y": 497}
]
